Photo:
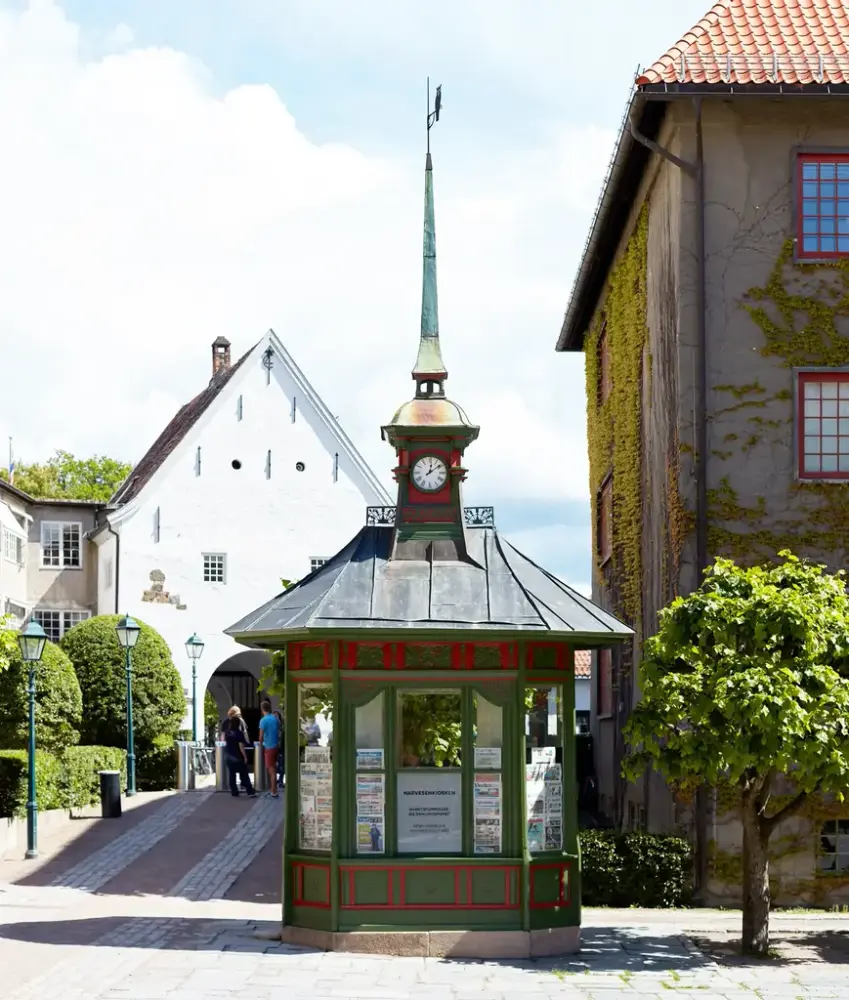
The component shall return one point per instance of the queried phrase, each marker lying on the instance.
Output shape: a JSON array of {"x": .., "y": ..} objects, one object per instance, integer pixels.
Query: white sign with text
[{"x": 430, "y": 814}]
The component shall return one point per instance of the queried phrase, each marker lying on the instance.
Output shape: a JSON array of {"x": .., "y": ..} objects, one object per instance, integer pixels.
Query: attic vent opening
[
  {"x": 299, "y": 466},
  {"x": 236, "y": 464}
]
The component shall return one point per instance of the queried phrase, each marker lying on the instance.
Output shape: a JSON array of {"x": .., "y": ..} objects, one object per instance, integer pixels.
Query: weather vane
[{"x": 433, "y": 116}]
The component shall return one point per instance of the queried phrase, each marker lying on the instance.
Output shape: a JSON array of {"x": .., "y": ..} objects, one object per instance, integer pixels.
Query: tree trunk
[{"x": 756, "y": 897}]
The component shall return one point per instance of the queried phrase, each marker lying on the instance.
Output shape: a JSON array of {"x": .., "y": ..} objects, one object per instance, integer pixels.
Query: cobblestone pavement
[
  {"x": 100, "y": 867},
  {"x": 191, "y": 943},
  {"x": 213, "y": 876},
  {"x": 191, "y": 959}
]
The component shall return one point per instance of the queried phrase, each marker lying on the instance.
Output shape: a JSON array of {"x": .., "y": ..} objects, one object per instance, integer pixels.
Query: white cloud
[{"x": 143, "y": 215}]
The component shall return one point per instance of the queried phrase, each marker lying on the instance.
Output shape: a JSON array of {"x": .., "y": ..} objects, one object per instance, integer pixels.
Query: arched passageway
[{"x": 236, "y": 681}]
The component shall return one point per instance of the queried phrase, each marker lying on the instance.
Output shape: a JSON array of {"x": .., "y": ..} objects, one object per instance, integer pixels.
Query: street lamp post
[
  {"x": 194, "y": 648},
  {"x": 31, "y": 641},
  {"x": 128, "y": 630}
]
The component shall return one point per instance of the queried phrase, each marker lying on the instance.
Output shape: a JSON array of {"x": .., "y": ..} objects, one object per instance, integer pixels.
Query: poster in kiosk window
[
  {"x": 544, "y": 795},
  {"x": 316, "y": 799},
  {"x": 430, "y": 814},
  {"x": 370, "y": 814},
  {"x": 487, "y": 791}
]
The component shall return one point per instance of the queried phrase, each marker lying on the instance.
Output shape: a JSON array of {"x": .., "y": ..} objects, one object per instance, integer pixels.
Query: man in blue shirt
[{"x": 269, "y": 736}]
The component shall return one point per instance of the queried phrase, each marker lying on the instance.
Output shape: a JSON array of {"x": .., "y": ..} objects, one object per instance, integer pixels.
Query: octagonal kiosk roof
[{"x": 494, "y": 589}]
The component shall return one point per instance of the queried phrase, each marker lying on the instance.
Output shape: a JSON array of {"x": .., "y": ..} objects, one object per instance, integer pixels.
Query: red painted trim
[
  {"x": 801, "y": 380},
  {"x": 459, "y": 870},
  {"x": 298, "y": 868},
  {"x": 564, "y": 896},
  {"x": 800, "y": 246}
]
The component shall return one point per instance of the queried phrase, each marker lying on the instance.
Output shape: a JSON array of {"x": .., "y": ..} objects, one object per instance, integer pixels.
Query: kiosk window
[
  {"x": 429, "y": 728},
  {"x": 315, "y": 774}
]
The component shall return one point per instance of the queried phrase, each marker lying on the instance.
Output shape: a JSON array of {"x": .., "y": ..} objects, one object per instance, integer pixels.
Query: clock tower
[{"x": 430, "y": 433}]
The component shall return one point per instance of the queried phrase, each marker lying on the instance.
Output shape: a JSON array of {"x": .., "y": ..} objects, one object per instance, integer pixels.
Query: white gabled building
[{"x": 253, "y": 481}]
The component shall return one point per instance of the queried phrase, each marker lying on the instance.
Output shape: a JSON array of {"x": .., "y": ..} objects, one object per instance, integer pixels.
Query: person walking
[
  {"x": 234, "y": 732},
  {"x": 281, "y": 757},
  {"x": 269, "y": 737}
]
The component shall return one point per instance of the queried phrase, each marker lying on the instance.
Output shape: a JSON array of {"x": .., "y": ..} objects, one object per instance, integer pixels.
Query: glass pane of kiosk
[
  {"x": 429, "y": 781},
  {"x": 315, "y": 777},
  {"x": 370, "y": 777},
  {"x": 544, "y": 768},
  {"x": 488, "y": 800}
]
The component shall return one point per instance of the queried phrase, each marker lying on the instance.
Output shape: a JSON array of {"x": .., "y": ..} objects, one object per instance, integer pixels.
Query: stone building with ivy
[{"x": 712, "y": 306}]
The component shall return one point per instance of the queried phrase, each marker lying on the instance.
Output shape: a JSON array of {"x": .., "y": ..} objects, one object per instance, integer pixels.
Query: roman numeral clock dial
[{"x": 430, "y": 474}]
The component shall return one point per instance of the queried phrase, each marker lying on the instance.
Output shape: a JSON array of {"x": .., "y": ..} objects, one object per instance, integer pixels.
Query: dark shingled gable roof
[
  {"x": 497, "y": 590},
  {"x": 185, "y": 419}
]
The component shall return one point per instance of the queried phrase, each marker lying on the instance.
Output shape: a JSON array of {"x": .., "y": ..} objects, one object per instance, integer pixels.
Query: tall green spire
[{"x": 429, "y": 361}]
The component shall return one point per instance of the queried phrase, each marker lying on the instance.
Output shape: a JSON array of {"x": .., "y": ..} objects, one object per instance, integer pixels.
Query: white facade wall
[
  {"x": 582, "y": 694},
  {"x": 267, "y": 524}
]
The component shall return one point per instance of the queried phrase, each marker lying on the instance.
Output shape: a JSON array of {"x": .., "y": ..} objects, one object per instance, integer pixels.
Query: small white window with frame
[
  {"x": 61, "y": 545},
  {"x": 214, "y": 567},
  {"x": 13, "y": 547},
  {"x": 316, "y": 562}
]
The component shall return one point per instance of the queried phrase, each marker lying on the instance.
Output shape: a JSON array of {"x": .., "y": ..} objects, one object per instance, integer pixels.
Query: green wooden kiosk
[{"x": 440, "y": 817}]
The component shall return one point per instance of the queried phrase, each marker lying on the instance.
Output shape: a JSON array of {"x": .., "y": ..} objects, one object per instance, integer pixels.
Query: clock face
[{"x": 430, "y": 474}]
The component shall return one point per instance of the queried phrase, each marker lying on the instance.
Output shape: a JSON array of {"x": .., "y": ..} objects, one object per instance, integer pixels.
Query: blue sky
[{"x": 184, "y": 169}]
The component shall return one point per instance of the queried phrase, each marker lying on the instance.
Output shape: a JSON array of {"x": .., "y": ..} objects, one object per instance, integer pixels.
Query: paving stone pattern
[
  {"x": 225, "y": 959},
  {"x": 103, "y": 865},
  {"x": 213, "y": 875}
]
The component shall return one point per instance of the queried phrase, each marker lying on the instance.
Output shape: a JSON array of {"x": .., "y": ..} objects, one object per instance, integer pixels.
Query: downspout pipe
[
  {"x": 112, "y": 531},
  {"x": 695, "y": 170}
]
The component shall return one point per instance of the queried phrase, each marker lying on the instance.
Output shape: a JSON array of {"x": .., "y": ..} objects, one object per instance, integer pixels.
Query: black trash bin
[{"x": 110, "y": 794}]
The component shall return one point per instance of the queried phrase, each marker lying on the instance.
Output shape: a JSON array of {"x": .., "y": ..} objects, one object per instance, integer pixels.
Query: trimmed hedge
[
  {"x": 99, "y": 661},
  {"x": 81, "y": 767},
  {"x": 69, "y": 781},
  {"x": 58, "y": 702},
  {"x": 635, "y": 869},
  {"x": 50, "y": 787},
  {"x": 156, "y": 766}
]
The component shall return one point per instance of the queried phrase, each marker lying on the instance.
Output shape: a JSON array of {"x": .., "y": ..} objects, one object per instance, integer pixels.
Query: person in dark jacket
[{"x": 234, "y": 733}]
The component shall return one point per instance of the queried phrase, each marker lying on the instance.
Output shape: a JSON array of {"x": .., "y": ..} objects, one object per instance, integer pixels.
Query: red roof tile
[
  {"x": 583, "y": 663},
  {"x": 761, "y": 41}
]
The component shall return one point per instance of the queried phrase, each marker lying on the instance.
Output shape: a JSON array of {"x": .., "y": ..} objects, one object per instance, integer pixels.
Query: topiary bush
[
  {"x": 98, "y": 658},
  {"x": 58, "y": 702},
  {"x": 635, "y": 869},
  {"x": 81, "y": 778},
  {"x": 50, "y": 783}
]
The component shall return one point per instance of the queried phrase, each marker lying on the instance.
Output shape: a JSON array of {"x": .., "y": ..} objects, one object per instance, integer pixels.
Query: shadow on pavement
[
  {"x": 82, "y": 837},
  {"x": 825, "y": 947},
  {"x": 605, "y": 950}
]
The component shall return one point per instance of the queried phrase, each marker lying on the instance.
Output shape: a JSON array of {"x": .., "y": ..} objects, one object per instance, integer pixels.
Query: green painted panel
[
  {"x": 371, "y": 888},
  {"x": 490, "y": 887},
  {"x": 428, "y": 887},
  {"x": 422, "y": 920},
  {"x": 487, "y": 658},
  {"x": 315, "y": 885},
  {"x": 312, "y": 917},
  {"x": 544, "y": 658},
  {"x": 547, "y": 885}
]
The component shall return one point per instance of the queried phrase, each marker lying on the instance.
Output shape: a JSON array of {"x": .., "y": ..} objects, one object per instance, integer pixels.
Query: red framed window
[
  {"x": 603, "y": 366},
  {"x": 822, "y": 208},
  {"x": 822, "y": 424},
  {"x": 604, "y": 664},
  {"x": 605, "y": 521}
]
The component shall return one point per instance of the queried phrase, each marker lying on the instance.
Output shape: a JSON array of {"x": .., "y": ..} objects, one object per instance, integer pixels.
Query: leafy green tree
[
  {"x": 158, "y": 700},
  {"x": 746, "y": 681},
  {"x": 8, "y": 641},
  {"x": 58, "y": 702},
  {"x": 64, "y": 477}
]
